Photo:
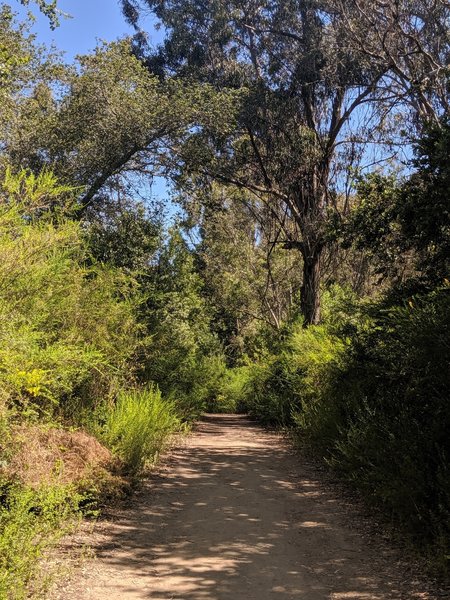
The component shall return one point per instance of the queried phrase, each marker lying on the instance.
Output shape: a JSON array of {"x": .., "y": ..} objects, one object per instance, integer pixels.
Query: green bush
[
  {"x": 231, "y": 393},
  {"x": 281, "y": 387},
  {"x": 392, "y": 434},
  {"x": 31, "y": 523},
  {"x": 264, "y": 392},
  {"x": 139, "y": 425},
  {"x": 66, "y": 330},
  {"x": 375, "y": 406},
  {"x": 368, "y": 392}
]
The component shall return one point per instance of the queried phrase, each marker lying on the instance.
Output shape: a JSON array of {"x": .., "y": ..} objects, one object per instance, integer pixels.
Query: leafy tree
[
  {"x": 105, "y": 122},
  {"x": 178, "y": 322},
  {"x": 49, "y": 9},
  {"x": 23, "y": 66},
  {"x": 248, "y": 281},
  {"x": 124, "y": 234},
  {"x": 112, "y": 117},
  {"x": 296, "y": 129},
  {"x": 405, "y": 226}
]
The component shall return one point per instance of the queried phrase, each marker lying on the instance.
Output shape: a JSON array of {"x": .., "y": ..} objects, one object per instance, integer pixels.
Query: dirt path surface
[{"x": 234, "y": 515}]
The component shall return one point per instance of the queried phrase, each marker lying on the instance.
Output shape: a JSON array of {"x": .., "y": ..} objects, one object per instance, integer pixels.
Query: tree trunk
[
  {"x": 310, "y": 290},
  {"x": 311, "y": 209}
]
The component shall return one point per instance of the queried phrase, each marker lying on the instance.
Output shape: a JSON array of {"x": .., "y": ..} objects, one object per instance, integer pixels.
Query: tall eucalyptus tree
[{"x": 315, "y": 97}]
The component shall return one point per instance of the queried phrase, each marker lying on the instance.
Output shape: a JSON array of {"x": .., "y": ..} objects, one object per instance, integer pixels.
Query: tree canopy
[
  {"x": 316, "y": 99},
  {"x": 297, "y": 269}
]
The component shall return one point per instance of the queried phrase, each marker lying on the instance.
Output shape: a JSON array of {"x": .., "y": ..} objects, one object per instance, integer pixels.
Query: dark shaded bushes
[
  {"x": 392, "y": 417},
  {"x": 371, "y": 397}
]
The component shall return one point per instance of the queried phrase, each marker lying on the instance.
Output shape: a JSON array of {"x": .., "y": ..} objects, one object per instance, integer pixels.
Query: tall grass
[{"x": 139, "y": 426}]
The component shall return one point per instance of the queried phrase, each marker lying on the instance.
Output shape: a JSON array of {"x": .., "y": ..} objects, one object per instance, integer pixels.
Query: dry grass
[{"x": 47, "y": 455}]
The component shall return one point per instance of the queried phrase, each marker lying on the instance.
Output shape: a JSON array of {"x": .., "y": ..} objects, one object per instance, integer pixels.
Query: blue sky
[{"x": 91, "y": 20}]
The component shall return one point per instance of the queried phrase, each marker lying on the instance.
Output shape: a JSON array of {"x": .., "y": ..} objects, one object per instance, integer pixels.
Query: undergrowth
[
  {"x": 32, "y": 521},
  {"x": 73, "y": 340},
  {"x": 139, "y": 425},
  {"x": 368, "y": 392}
]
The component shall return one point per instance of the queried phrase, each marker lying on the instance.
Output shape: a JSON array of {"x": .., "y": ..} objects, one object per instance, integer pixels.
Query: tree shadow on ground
[{"x": 233, "y": 520}]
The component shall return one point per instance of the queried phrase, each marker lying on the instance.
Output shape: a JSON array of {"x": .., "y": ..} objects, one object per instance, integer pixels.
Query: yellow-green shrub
[
  {"x": 281, "y": 387},
  {"x": 231, "y": 394},
  {"x": 138, "y": 426},
  {"x": 66, "y": 329},
  {"x": 31, "y": 522}
]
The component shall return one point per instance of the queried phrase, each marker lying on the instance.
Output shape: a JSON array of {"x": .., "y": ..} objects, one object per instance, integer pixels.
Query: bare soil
[{"x": 233, "y": 514}]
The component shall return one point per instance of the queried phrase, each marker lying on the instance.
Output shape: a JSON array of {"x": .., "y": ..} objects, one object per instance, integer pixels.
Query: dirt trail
[{"x": 234, "y": 515}]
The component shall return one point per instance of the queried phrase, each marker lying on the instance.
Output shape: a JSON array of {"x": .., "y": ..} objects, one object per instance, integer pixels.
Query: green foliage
[
  {"x": 410, "y": 218},
  {"x": 371, "y": 225},
  {"x": 115, "y": 108},
  {"x": 101, "y": 124},
  {"x": 231, "y": 396},
  {"x": 391, "y": 395},
  {"x": 65, "y": 329},
  {"x": 49, "y": 9},
  {"x": 31, "y": 523},
  {"x": 280, "y": 386},
  {"x": 16, "y": 57},
  {"x": 27, "y": 75},
  {"x": 423, "y": 206},
  {"x": 207, "y": 385},
  {"x": 342, "y": 310},
  {"x": 126, "y": 236},
  {"x": 139, "y": 426},
  {"x": 184, "y": 355},
  {"x": 38, "y": 194}
]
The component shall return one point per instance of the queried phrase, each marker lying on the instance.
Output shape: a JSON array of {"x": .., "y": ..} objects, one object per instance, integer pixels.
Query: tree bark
[
  {"x": 312, "y": 202},
  {"x": 310, "y": 290}
]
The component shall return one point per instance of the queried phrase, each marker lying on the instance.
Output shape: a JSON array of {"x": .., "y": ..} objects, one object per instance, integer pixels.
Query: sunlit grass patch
[{"x": 139, "y": 425}]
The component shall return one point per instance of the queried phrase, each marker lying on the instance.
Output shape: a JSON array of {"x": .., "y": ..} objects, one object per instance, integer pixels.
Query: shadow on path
[{"x": 234, "y": 517}]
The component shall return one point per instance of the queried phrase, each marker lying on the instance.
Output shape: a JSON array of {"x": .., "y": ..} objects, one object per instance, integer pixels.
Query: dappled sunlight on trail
[{"x": 233, "y": 515}]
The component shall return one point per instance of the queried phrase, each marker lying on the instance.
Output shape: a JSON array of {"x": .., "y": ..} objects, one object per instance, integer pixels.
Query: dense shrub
[
  {"x": 71, "y": 337},
  {"x": 139, "y": 425},
  {"x": 370, "y": 395},
  {"x": 65, "y": 329},
  {"x": 231, "y": 392},
  {"x": 280, "y": 386},
  {"x": 31, "y": 522},
  {"x": 391, "y": 434}
]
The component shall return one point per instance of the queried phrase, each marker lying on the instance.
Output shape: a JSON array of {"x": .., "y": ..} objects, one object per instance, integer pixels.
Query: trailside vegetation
[
  {"x": 74, "y": 349},
  {"x": 367, "y": 390},
  {"x": 105, "y": 344},
  {"x": 299, "y": 273}
]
